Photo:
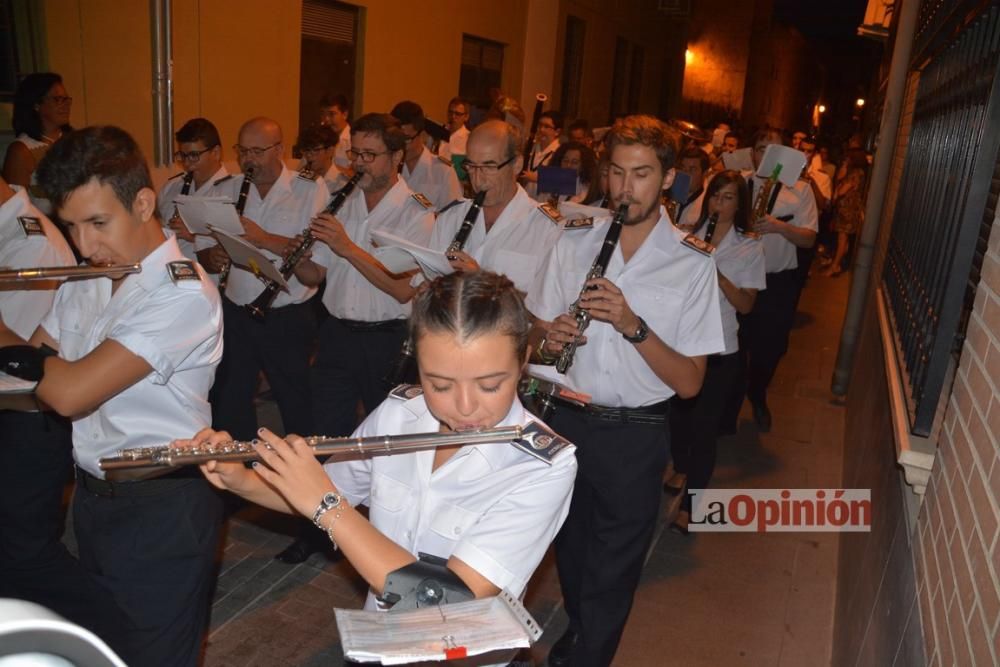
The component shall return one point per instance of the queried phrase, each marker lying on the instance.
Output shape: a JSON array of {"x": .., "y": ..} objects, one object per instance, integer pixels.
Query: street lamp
[
  {"x": 822, "y": 108},
  {"x": 861, "y": 102}
]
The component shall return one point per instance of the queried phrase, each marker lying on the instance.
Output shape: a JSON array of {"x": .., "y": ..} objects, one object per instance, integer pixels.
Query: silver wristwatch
[
  {"x": 641, "y": 333},
  {"x": 329, "y": 502}
]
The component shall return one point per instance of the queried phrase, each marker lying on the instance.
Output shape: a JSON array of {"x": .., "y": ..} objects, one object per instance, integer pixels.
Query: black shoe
[
  {"x": 761, "y": 416},
  {"x": 562, "y": 650},
  {"x": 297, "y": 552}
]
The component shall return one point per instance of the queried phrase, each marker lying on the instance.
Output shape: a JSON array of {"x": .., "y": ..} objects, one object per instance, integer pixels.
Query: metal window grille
[{"x": 944, "y": 208}]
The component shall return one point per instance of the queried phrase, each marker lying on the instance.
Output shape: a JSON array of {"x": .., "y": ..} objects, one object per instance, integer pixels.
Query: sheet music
[
  {"x": 448, "y": 632},
  {"x": 249, "y": 258},
  {"x": 15, "y": 385},
  {"x": 203, "y": 214},
  {"x": 400, "y": 255}
]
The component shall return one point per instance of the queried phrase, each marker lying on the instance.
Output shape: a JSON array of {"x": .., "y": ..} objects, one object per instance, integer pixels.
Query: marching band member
[
  {"x": 130, "y": 359},
  {"x": 279, "y": 205},
  {"x": 458, "y": 116},
  {"x": 550, "y": 125},
  {"x": 791, "y": 223},
  {"x": 489, "y": 511},
  {"x": 694, "y": 162},
  {"x": 739, "y": 259},
  {"x": 335, "y": 112},
  {"x": 512, "y": 232},
  {"x": 656, "y": 317},
  {"x": 361, "y": 340},
  {"x": 423, "y": 171},
  {"x": 199, "y": 152},
  {"x": 318, "y": 144}
]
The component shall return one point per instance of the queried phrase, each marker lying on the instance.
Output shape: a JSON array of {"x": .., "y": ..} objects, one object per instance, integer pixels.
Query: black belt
[
  {"x": 148, "y": 487},
  {"x": 361, "y": 325},
  {"x": 649, "y": 414}
]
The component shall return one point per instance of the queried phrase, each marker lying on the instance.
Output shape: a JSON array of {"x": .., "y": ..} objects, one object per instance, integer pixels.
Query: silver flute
[
  {"x": 168, "y": 456},
  {"x": 52, "y": 272}
]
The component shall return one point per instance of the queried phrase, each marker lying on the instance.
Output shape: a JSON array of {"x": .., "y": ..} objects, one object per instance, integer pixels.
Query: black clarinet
[
  {"x": 536, "y": 118},
  {"x": 597, "y": 270},
  {"x": 403, "y": 368},
  {"x": 241, "y": 204},
  {"x": 259, "y": 307},
  {"x": 710, "y": 228},
  {"x": 185, "y": 188}
]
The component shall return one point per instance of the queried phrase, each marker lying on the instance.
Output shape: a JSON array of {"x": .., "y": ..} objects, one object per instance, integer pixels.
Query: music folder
[
  {"x": 557, "y": 181},
  {"x": 678, "y": 192},
  {"x": 399, "y": 255},
  {"x": 741, "y": 159},
  {"x": 792, "y": 163},
  {"x": 202, "y": 215},
  {"x": 247, "y": 257}
]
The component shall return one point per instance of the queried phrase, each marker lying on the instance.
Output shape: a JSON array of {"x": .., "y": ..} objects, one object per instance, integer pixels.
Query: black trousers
[
  {"x": 601, "y": 546},
  {"x": 36, "y": 463},
  {"x": 765, "y": 330},
  {"x": 280, "y": 347},
  {"x": 351, "y": 365},
  {"x": 156, "y": 555},
  {"x": 695, "y": 422}
]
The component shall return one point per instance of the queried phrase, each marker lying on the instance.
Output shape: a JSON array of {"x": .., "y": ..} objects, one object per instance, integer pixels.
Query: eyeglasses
[
  {"x": 190, "y": 156},
  {"x": 364, "y": 156},
  {"x": 250, "y": 151},
  {"x": 456, "y": 112},
  {"x": 410, "y": 137},
  {"x": 58, "y": 100},
  {"x": 546, "y": 126},
  {"x": 312, "y": 150},
  {"x": 486, "y": 169}
]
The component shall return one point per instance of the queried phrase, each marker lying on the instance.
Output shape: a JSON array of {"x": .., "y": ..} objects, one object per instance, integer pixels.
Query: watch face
[{"x": 331, "y": 499}]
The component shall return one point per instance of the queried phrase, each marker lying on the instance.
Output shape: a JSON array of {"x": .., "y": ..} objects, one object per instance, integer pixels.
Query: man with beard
[
  {"x": 368, "y": 306},
  {"x": 655, "y": 318}
]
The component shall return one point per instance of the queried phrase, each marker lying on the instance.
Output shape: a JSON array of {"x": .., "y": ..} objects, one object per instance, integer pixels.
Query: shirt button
[
  {"x": 409, "y": 534},
  {"x": 457, "y": 530}
]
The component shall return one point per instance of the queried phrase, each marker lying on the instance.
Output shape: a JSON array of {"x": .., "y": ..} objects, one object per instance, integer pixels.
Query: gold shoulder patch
[
  {"x": 183, "y": 270},
  {"x": 405, "y": 392},
  {"x": 422, "y": 200},
  {"x": 177, "y": 175},
  {"x": 541, "y": 442},
  {"x": 697, "y": 244},
  {"x": 30, "y": 225},
  {"x": 550, "y": 211},
  {"x": 579, "y": 223}
]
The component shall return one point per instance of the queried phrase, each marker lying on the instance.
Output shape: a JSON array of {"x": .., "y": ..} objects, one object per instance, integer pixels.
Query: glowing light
[
  {"x": 860, "y": 102},
  {"x": 822, "y": 108},
  {"x": 688, "y": 56}
]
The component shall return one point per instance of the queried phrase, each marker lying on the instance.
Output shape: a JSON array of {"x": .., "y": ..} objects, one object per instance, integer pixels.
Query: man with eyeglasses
[
  {"x": 368, "y": 306},
  {"x": 318, "y": 144},
  {"x": 512, "y": 233},
  {"x": 550, "y": 125},
  {"x": 199, "y": 154},
  {"x": 424, "y": 172},
  {"x": 279, "y": 205},
  {"x": 458, "y": 116},
  {"x": 335, "y": 112}
]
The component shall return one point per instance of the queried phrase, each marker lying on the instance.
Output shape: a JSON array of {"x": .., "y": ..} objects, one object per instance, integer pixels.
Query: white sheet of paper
[
  {"x": 792, "y": 163},
  {"x": 573, "y": 211},
  {"x": 10, "y": 384},
  {"x": 247, "y": 257},
  {"x": 400, "y": 255},
  {"x": 477, "y": 626},
  {"x": 741, "y": 159},
  {"x": 201, "y": 215}
]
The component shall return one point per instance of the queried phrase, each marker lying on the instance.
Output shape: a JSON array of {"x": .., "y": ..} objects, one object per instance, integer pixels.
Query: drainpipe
[
  {"x": 889, "y": 127},
  {"x": 163, "y": 93}
]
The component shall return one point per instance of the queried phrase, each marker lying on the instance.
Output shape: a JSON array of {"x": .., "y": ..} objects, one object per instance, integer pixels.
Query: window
[
  {"x": 572, "y": 66},
  {"x": 635, "y": 78},
  {"x": 482, "y": 69},
  {"x": 329, "y": 55},
  {"x": 18, "y": 44},
  {"x": 619, "y": 80}
]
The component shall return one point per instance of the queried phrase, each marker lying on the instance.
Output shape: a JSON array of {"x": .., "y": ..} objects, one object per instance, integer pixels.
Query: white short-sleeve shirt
[
  {"x": 434, "y": 178},
  {"x": 516, "y": 244},
  {"x": 343, "y": 145},
  {"x": 348, "y": 294},
  {"x": 491, "y": 505},
  {"x": 798, "y": 202},
  {"x": 175, "y": 327},
  {"x": 671, "y": 286},
  {"x": 166, "y": 206},
  {"x": 739, "y": 258},
  {"x": 24, "y": 304},
  {"x": 456, "y": 143},
  {"x": 290, "y": 204}
]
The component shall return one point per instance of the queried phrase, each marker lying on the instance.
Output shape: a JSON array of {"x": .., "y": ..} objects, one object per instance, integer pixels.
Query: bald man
[
  {"x": 512, "y": 232},
  {"x": 279, "y": 205}
]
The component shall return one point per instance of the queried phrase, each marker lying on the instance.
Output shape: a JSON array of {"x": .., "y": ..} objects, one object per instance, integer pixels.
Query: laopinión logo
[{"x": 780, "y": 510}]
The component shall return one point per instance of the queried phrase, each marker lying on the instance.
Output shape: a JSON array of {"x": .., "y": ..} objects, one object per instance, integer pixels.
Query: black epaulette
[
  {"x": 541, "y": 442},
  {"x": 405, "y": 392},
  {"x": 222, "y": 180},
  {"x": 183, "y": 270},
  {"x": 551, "y": 212},
  {"x": 447, "y": 161},
  {"x": 579, "y": 223},
  {"x": 450, "y": 205},
  {"x": 698, "y": 245},
  {"x": 422, "y": 200},
  {"x": 178, "y": 175},
  {"x": 30, "y": 225}
]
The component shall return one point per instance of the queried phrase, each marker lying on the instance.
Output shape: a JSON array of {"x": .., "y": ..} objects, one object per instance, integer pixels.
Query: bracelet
[{"x": 329, "y": 530}]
